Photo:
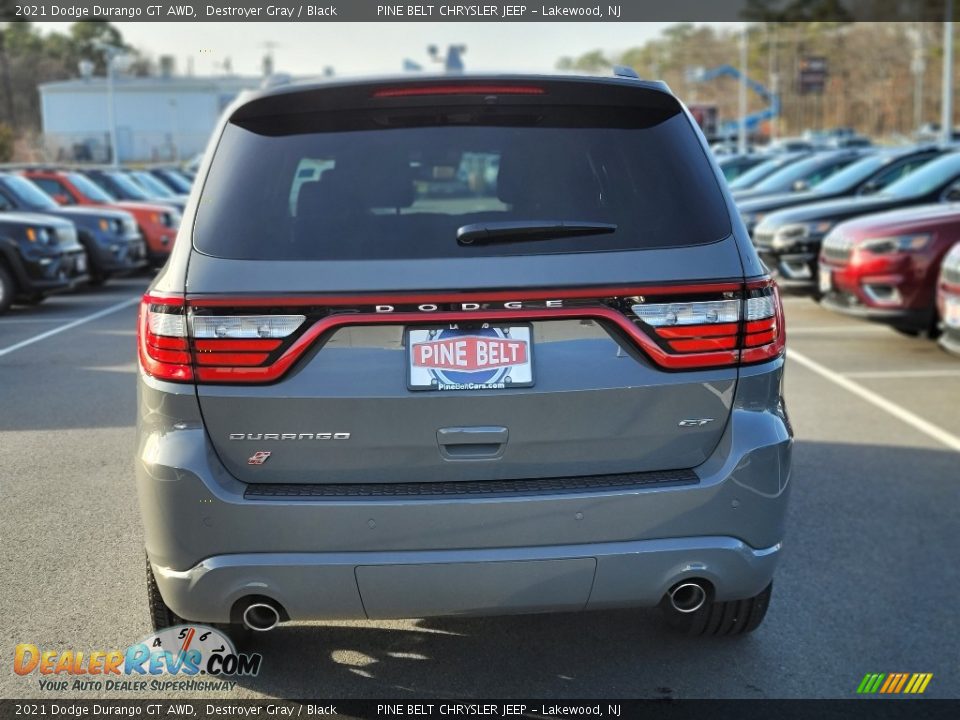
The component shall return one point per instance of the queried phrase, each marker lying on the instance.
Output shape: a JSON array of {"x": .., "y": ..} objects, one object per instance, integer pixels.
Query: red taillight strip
[
  {"x": 223, "y": 345},
  {"x": 226, "y": 358},
  {"x": 660, "y": 356},
  {"x": 451, "y": 297},
  {"x": 692, "y": 331},
  {"x": 705, "y": 344},
  {"x": 465, "y": 89}
]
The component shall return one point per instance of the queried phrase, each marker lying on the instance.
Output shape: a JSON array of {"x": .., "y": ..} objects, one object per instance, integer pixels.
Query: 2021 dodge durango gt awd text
[{"x": 492, "y": 345}]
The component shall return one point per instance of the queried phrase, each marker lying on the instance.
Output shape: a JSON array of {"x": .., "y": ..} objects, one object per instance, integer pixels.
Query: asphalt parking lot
[{"x": 869, "y": 580}]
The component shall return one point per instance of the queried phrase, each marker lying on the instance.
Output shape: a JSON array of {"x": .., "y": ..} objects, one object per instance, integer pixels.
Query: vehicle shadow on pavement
[
  {"x": 582, "y": 655},
  {"x": 868, "y": 526}
]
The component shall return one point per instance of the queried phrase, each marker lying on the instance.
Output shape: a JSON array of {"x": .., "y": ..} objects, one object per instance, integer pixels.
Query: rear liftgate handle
[{"x": 472, "y": 443}]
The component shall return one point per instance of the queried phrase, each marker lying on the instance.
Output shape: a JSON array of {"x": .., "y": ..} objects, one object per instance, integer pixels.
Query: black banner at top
[{"x": 511, "y": 11}]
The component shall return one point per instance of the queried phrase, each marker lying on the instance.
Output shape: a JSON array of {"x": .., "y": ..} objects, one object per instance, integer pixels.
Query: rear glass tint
[{"x": 374, "y": 185}]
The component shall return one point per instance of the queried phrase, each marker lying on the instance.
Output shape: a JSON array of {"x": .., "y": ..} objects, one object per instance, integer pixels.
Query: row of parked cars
[
  {"x": 869, "y": 232},
  {"x": 61, "y": 227}
]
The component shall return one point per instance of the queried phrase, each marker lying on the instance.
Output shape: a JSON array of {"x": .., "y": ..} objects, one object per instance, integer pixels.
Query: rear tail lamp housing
[{"x": 258, "y": 340}]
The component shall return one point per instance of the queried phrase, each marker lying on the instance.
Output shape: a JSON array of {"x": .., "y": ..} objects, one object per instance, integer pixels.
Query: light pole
[
  {"x": 742, "y": 137},
  {"x": 111, "y": 53},
  {"x": 946, "y": 117},
  {"x": 918, "y": 66}
]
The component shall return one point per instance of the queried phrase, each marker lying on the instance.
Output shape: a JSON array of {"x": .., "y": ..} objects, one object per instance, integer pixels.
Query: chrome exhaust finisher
[
  {"x": 261, "y": 617},
  {"x": 687, "y": 597}
]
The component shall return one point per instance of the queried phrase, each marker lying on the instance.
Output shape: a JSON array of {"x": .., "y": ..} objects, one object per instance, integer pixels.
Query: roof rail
[{"x": 625, "y": 71}]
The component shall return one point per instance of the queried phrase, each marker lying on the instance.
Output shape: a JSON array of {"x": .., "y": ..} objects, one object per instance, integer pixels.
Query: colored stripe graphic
[{"x": 894, "y": 683}]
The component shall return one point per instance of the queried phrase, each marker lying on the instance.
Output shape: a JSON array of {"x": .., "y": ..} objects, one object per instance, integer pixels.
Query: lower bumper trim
[{"x": 591, "y": 483}]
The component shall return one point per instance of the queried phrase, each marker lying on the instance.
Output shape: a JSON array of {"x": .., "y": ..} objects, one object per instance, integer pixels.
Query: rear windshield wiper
[{"x": 526, "y": 230}]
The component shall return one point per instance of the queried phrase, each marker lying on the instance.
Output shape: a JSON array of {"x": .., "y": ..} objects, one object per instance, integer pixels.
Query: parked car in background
[
  {"x": 175, "y": 180},
  {"x": 110, "y": 237},
  {"x": 850, "y": 141},
  {"x": 157, "y": 223},
  {"x": 765, "y": 169},
  {"x": 153, "y": 187},
  {"x": 733, "y": 166},
  {"x": 39, "y": 255},
  {"x": 789, "y": 240},
  {"x": 790, "y": 145},
  {"x": 799, "y": 176},
  {"x": 869, "y": 174},
  {"x": 121, "y": 186},
  {"x": 885, "y": 267},
  {"x": 948, "y": 300}
]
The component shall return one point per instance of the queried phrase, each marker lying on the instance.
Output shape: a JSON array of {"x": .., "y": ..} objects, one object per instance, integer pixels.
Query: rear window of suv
[{"x": 369, "y": 185}]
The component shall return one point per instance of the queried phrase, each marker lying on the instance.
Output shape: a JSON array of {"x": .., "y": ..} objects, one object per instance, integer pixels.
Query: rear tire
[
  {"x": 7, "y": 290},
  {"x": 161, "y": 616},
  {"x": 734, "y": 617}
]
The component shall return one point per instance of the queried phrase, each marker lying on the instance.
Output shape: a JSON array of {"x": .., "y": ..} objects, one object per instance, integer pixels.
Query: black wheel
[
  {"x": 98, "y": 279},
  {"x": 161, "y": 616},
  {"x": 7, "y": 289},
  {"x": 735, "y": 617}
]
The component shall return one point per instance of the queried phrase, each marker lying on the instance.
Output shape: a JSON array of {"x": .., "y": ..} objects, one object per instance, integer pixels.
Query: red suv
[
  {"x": 158, "y": 223},
  {"x": 884, "y": 267}
]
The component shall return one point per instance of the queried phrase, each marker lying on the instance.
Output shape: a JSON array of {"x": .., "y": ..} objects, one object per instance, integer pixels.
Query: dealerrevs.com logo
[{"x": 184, "y": 657}]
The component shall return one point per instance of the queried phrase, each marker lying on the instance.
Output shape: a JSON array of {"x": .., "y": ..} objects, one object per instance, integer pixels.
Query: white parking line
[
  {"x": 69, "y": 326},
  {"x": 26, "y": 321},
  {"x": 901, "y": 413},
  {"x": 840, "y": 329},
  {"x": 894, "y": 374}
]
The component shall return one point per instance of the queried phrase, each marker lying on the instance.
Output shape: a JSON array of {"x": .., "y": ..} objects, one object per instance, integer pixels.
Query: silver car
[{"x": 472, "y": 345}]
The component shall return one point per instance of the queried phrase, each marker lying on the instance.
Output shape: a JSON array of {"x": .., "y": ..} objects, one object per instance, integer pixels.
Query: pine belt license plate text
[{"x": 480, "y": 357}]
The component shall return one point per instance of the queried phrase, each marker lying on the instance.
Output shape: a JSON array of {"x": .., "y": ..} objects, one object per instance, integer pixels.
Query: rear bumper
[
  {"x": 409, "y": 557},
  {"x": 446, "y": 582}
]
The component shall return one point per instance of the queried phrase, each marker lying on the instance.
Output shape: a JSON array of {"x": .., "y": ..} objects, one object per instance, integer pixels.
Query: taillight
[
  {"x": 729, "y": 329},
  {"x": 238, "y": 347},
  {"x": 174, "y": 345},
  {"x": 162, "y": 338},
  {"x": 764, "y": 333}
]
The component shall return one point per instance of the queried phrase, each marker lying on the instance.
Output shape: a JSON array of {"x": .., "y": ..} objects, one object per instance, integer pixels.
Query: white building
[{"x": 157, "y": 118}]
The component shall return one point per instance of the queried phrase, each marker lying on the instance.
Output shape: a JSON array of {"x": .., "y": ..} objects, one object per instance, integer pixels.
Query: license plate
[
  {"x": 81, "y": 264},
  {"x": 485, "y": 357},
  {"x": 952, "y": 312},
  {"x": 826, "y": 280}
]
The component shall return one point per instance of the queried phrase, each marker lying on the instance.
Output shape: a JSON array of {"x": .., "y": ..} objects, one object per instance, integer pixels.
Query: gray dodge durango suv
[{"x": 453, "y": 345}]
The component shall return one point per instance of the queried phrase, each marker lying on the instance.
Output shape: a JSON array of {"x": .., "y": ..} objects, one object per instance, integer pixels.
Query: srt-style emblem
[{"x": 258, "y": 458}]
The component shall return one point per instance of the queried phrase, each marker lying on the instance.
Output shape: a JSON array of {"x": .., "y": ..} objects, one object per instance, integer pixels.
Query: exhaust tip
[
  {"x": 261, "y": 617},
  {"x": 687, "y": 597}
]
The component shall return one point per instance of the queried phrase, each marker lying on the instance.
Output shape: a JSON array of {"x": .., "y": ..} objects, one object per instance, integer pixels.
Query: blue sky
[{"x": 306, "y": 48}]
